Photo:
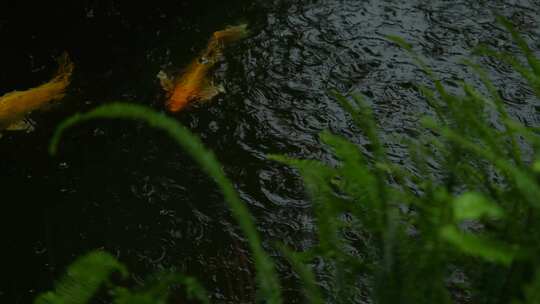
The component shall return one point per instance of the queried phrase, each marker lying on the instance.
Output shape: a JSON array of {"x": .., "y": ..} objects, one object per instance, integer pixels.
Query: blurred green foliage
[{"x": 476, "y": 215}]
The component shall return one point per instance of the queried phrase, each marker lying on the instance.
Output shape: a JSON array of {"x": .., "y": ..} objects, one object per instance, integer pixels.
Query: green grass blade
[
  {"x": 159, "y": 289},
  {"x": 311, "y": 289},
  {"x": 474, "y": 245},
  {"x": 531, "y": 59},
  {"x": 266, "y": 277},
  {"x": 523, "y": 181}
]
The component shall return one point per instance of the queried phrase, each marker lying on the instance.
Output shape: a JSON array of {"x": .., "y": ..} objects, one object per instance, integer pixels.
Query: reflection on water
[{"x": 128, "y": 189}]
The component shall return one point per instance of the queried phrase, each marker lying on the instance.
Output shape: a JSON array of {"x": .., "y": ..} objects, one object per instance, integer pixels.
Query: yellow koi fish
[
  {"x": 193, "y": 83},
  {"x": 14, "y": 106}
]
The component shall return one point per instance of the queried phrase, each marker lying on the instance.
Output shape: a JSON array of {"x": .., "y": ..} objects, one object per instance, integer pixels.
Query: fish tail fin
[
  {"x": 220, "y": 38},
  {"x": 62, "y": 79},
  {"x": 231, "y": 33},
  {"x": 65, "y": 68}
]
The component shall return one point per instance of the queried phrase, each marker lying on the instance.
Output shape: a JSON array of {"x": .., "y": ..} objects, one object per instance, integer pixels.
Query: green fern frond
[
  {"x": 266, "y": 276},
  {"x": 83, "y": 279}
]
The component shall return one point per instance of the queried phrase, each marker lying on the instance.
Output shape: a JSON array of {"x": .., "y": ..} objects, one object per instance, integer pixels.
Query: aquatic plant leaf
[
  {"x": 329, "y": 207},
  {"x": 482, "y": 74},
  {"x": 433, "y": 102},
  {"x": 536, "y": 166},
  {"x": 416, "y": 58},
  {"x": 499, "y": 106},
  {"x": 364, "y": 119},
  {"x": 531, "y": 134},
  {"x": 478, "y": 246},
  {"x": 194, "y": 290},
  {"x": 473, "y": 206},
  {"x": 311, "y": 289},
  {"x": 531, "y": 58},
  {"x": 401, "y": 42},
  {"x": 125, "y": 296},
  {"x": 317, "y": 178},
  {"x": 523, "y": 180},
  {"x": 532, "y": 79},
  {"x": 83, "y": 279},
  {"x": 531, "y": 291},
  {"x": 159, "y": 288},
  {"x": 162, "y": 282},
  {"x": 358, "y": 180},
  {"x": 266, "y": 277}
]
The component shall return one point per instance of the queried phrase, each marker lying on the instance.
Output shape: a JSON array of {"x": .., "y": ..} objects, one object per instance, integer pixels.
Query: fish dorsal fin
[{"x": 166, "y": 82}]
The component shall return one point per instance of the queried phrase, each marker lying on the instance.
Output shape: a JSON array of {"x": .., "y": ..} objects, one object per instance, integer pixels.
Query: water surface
[{"x": 128, "y": 189}]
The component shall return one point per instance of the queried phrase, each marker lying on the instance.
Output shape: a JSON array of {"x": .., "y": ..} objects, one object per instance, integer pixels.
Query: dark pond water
[{"x": 128, "y": 189}]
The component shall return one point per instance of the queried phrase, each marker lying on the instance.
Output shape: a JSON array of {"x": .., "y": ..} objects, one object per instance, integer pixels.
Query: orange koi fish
[
  {"x": 14, "y": 106},
  {"x": 193, "y": 84}
]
